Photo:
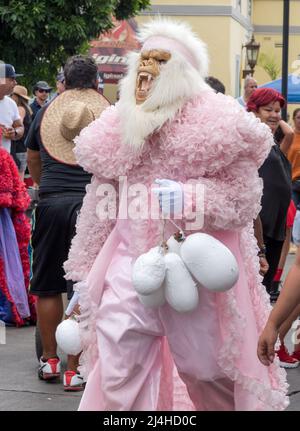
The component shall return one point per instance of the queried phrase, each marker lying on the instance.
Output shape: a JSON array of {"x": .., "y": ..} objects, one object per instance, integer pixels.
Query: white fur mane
[
  {"x": 182, "y": 33},
  {"x": 178, "y": 81}
]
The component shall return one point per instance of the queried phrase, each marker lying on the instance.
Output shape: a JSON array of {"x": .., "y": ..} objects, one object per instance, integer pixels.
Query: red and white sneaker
[
  {"x": 286, "y": 360},
  {"x": 50, "y": 369},
  {"x": 73, "y": 381}
]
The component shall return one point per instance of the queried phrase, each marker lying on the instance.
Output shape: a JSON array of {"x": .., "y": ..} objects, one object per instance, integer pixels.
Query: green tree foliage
[
  {"x": 269, "y": 64},
  {"x": 37, "y": 36}
]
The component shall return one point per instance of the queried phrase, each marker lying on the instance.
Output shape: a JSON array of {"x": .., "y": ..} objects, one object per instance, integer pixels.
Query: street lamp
[{"x": 252, "y": 50}]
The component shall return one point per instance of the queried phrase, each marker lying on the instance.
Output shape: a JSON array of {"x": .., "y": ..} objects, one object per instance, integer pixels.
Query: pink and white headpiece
[
  {"x": 170, "y": 45},
  {"x": 175, "y": 36}
]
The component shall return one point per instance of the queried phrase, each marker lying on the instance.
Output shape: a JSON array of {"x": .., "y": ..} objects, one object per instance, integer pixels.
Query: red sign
[{"x": 111, "y": 48}]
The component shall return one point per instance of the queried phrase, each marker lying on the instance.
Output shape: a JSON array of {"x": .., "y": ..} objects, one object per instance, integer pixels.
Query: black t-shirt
[
  {"x": 277, "y": 178},
  {"x": 56, "y": 177}
]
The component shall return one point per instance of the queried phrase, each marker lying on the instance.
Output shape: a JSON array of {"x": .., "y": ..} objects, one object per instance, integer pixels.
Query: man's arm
[
  {"x": 14, "y": 132},
  {"x": 34, "y": 165},
  {"x": 289, "y": 298},
  {"x": 18, "y": 130},
  {"x": 258, "y": 233}
]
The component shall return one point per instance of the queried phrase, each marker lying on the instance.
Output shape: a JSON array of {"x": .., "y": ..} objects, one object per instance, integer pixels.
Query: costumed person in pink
[
  {"x": 17, "y": 307},
  {"x": 169, "y": 127}
]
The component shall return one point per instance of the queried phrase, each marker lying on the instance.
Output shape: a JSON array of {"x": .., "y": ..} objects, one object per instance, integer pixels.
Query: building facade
[
  {"x": 267, "y": 25},
  {"x": 226, "y": 25}
]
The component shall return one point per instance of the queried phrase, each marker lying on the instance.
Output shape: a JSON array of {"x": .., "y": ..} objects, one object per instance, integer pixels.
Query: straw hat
[
  {"x": 65, "y": 117},
  {"x": 21, "y": 91}
]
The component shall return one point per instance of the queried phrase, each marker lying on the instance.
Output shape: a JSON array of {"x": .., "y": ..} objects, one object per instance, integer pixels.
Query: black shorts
[{"x": 53, "y": 227}]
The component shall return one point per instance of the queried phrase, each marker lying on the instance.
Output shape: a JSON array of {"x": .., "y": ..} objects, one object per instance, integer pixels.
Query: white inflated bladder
[
  {"x": 148, "y": 271},
  {"x": 68, "y": 338},
  {"x": 180, "y": 289},
  {"x": 174, "y": 273},
  {"x": 210, "y": 262},
  {"x": 155, "y": 299}
]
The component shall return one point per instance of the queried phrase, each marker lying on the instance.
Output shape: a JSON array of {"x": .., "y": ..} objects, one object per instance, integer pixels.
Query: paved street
[{"x": 20, "y": 389}]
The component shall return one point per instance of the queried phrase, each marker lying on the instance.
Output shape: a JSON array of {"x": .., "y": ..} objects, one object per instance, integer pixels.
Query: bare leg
[
  {"x": 285, "y": 248},
  {"x": 73, "y": 362},
  {"x": 49, "y": 314}
]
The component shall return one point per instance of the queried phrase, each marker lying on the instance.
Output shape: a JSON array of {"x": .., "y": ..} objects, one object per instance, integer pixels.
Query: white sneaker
[
  {"x": 49, "y": 369},
  {"x": 73, "y": 381}
]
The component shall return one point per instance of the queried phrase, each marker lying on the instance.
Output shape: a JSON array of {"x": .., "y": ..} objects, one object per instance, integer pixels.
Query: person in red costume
[{"x": 16, "y": 305}]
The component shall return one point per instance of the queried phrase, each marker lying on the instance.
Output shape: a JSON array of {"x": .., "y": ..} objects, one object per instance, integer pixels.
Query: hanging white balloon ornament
[
  {"x": 155, "y": 299},
  {"x": 148, "y": 271},
  {"x": 68, "y": 338},
  {"x": 210, "y": 262},
  {"x": 173, "y": 271},
  {"x": 180, "y": 289}
]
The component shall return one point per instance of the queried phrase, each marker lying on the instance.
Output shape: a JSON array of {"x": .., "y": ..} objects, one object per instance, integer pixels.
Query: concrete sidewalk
[{"x": 21, "y": 390}]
